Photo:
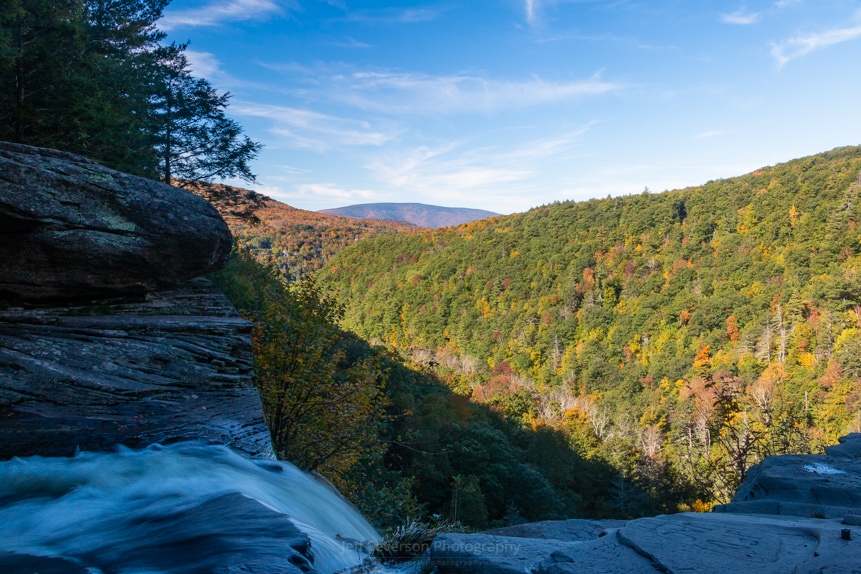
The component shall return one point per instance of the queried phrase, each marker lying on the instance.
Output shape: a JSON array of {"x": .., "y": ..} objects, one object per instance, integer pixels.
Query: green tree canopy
[
  {"x": 92, "y": 77},
  {"x": 193, "y": 138}
]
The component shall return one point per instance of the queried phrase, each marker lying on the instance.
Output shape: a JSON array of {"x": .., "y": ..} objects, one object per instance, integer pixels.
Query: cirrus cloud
[
  {"x": 801, "y": 45},
  {"x": 396, "y": 93},
  {"x": 740, "y": 18},
  {"x": 306, "y": 129},
  {"x": 219, "y": 12}
]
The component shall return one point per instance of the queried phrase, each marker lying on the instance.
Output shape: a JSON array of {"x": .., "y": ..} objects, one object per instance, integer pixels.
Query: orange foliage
[{"x": 732, "y": 330}]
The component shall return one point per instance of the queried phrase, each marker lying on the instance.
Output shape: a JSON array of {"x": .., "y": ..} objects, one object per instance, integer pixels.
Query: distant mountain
[
  {"x": 415, "y": 213},
  {"x": 297, "y": 241}
]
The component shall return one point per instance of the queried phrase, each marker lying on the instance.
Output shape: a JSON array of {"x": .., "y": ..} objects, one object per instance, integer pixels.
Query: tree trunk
[
  {"x": 167, "y": 151},
  {"x": 19, "y": 85}
]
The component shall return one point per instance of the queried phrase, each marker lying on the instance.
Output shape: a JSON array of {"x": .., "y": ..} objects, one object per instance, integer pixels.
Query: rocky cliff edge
[{"x": 105, "y": 337}]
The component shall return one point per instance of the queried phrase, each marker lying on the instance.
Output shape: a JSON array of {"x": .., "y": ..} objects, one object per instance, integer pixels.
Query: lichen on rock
[{"x": 73, "y": 231}]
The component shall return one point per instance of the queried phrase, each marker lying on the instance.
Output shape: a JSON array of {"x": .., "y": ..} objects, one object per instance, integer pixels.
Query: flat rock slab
[
  {"x": 72, "y": 230},
  {"x": 676, "y": 544},
  {"x": 719, "y": 543},
  {"x": 488, "y": 554},
  {"x": 569, "y": 530},
  {"x": 177, "y": 366}
]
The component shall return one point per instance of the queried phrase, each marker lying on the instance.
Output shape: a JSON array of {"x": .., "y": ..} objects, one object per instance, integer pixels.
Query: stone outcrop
[
  {"x": 813, "y": 486},
  {"x": 175, "y": 366},
  {"x": 793, "y": 514},
  {"x": 71, "y": 230}
]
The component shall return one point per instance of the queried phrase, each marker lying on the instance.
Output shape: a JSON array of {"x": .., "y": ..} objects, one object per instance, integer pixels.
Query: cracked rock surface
[
  {"x": 176, "y": 366},
  {"x": 72, "y": 230},
  {"x": 743, "y": 537},
  {"x": 676, "y": 544}
]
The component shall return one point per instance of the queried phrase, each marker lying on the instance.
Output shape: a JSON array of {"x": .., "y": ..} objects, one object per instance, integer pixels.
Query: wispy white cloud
[
  {"x": 398, "y": 93},
  {"x": 629, "y": 41},
  {"x": 394, "y": 16},
  {"x": 545, "y": 148},
  {"x": 319, "y": 194},
  {"x": 712, "y": 134},
  {"x": 785, "y": 3},
  {"x": 350, "y": 42},
  {"x": 305, "y": 129},
  {"x": 433, "y": 94},
  {"x": 333, "y": 191},
  {"x": 530, "y": 7},
  {"x": 455, "y": 173},
  {"x": 740, "y": 17},
  {"x": 798, "y": 46},
  {"x": 218, "y": 12},
  {"x": 292, "y": 170},
  {"x": 205, "y": 65},
  {"x": 440, "y": 171}
]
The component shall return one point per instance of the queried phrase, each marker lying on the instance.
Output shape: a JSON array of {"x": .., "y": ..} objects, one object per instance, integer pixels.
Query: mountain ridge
[
  {"x": 421, "y": 214},
  {"x": 297, "y": 241}
]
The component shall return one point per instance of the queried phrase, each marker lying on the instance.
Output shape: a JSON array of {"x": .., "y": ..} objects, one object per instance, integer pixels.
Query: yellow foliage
[
  {"x": 807, "y": 360},
  {"x": 754, "y": 289},
  {"x": 793, "y": 216},
  {"x": 484, "y": 306},
  {"x": 319, "y": 419}
]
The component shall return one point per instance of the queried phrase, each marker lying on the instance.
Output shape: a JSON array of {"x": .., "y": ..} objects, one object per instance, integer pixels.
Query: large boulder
[
  {"x": 176, "y": 366},
  {"x": 71, "y": 230},
  {"x": 822, "y": 486}
]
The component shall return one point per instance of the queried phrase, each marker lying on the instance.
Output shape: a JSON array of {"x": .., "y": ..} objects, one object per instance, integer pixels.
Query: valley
[{"x": 687, "y": 334}]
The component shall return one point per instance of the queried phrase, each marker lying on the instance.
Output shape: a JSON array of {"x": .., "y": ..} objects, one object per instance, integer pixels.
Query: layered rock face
[
  {"x": 793, "y": 514},
  {"x": 71, "y": 230},
  {"x": 176, "y": 366}
]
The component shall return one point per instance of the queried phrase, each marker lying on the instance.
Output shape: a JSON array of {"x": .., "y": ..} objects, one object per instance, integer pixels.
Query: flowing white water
[{"x": 94, "y": 505}]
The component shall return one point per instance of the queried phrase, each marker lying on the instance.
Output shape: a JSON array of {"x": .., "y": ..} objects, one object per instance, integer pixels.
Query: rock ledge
[{"x": 177, "y": 366}]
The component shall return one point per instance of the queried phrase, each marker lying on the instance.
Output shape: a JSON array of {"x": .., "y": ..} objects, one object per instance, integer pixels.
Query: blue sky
[{"x": 509, "y": 104}]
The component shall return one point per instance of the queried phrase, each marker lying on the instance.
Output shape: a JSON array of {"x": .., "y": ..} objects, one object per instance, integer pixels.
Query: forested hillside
[
  {"x": 296, "y": 241},
  {"x": 693, "y": 331}
]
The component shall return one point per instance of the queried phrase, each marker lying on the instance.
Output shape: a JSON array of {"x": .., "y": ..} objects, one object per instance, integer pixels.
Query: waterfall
[{"x": 186, "y": 507}]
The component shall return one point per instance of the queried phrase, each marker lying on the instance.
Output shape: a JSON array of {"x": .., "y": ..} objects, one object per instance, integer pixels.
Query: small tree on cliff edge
[{"x": 193, "y": 138}]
